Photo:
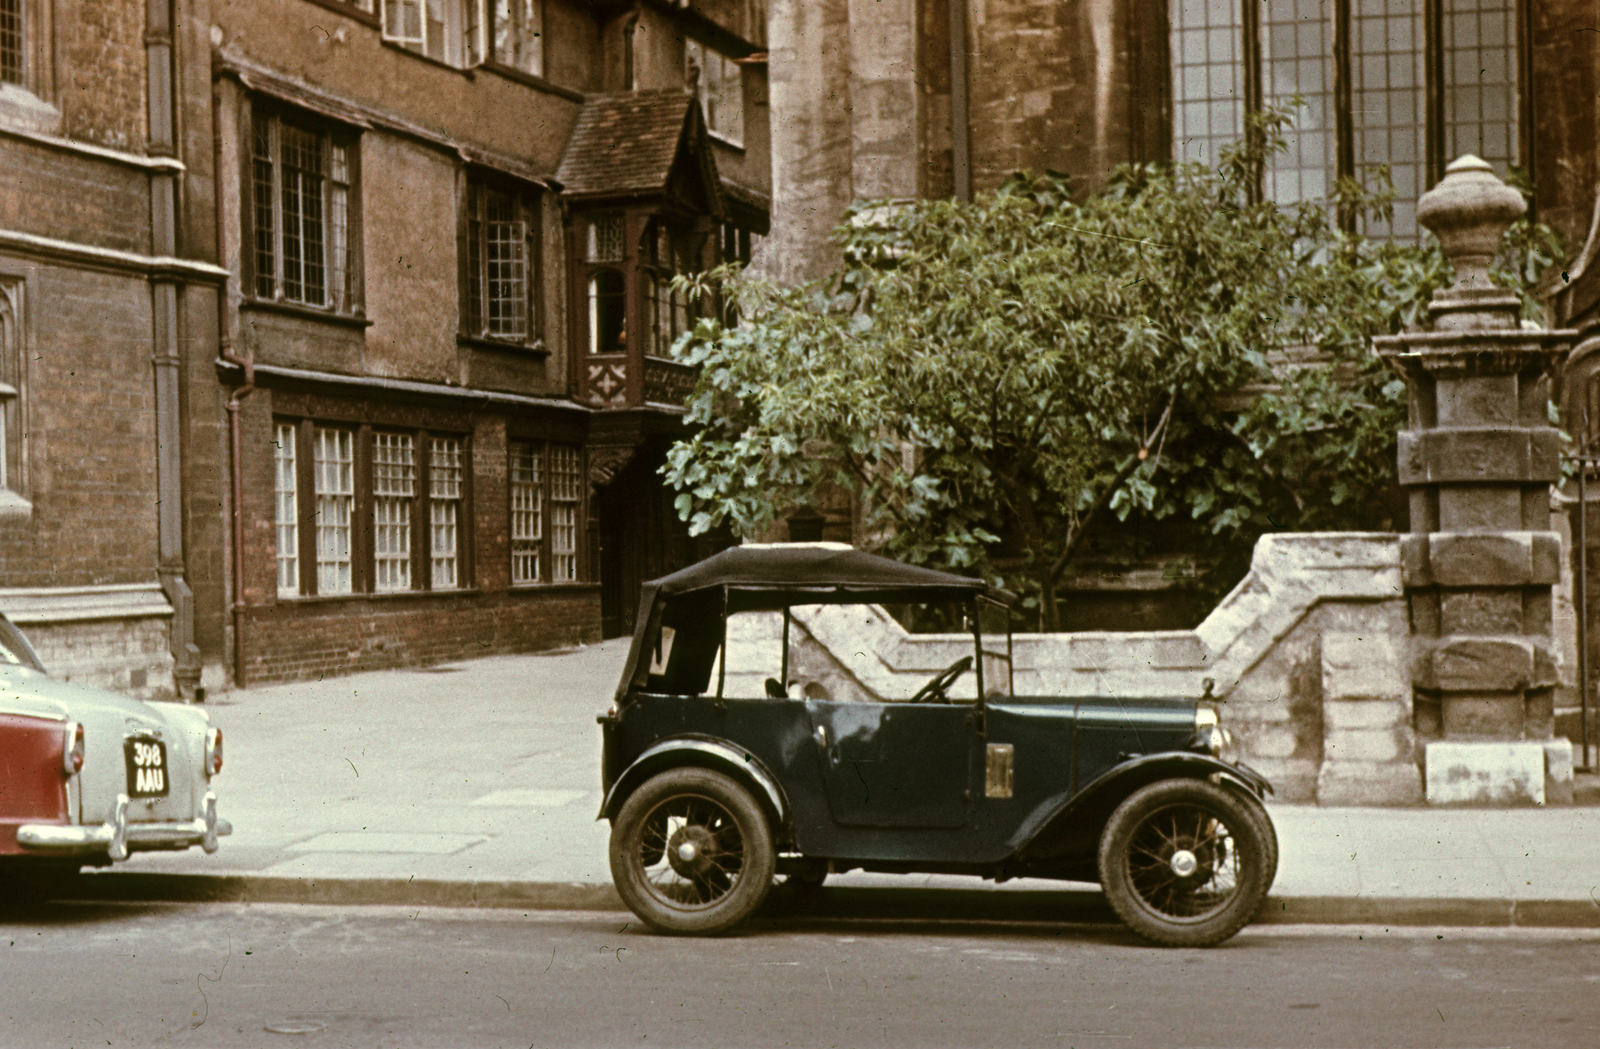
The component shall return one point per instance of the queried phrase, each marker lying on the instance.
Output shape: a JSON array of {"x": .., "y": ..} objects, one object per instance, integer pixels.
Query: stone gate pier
[{"x": 1479, "y": 565}]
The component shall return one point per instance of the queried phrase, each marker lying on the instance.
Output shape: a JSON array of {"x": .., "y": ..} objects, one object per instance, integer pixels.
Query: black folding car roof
[
  {"x": 769, "y": 577},
  {"x": 810, "y": 567}
]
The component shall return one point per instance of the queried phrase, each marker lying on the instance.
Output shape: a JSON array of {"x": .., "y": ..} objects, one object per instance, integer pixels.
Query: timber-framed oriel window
[
  {"x": 667, "y": 250},
  {"x": 604, "y": 246},
  {"x": 501, "y": 262},
  {"x": 369, "y": 509},
  {"x": 1408, "y": 83},
  {"x": 547, "y": 511},
  {"x": 303, "y": 228}
]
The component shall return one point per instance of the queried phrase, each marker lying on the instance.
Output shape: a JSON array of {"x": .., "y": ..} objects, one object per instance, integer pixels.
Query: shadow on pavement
[{"x": 789, "y": 903}]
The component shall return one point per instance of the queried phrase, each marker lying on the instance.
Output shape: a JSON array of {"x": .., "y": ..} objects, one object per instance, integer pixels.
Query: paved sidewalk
[{"x": 477, "y": 783}]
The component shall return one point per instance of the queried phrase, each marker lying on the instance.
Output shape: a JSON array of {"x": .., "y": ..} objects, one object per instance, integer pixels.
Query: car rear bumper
[{"x": 117, "y": 837}]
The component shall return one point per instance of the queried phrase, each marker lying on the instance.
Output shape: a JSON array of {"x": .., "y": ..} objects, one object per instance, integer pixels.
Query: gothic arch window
[{"x": 13, "y": 402}]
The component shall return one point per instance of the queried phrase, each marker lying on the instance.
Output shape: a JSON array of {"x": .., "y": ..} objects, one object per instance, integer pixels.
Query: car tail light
[
  {"x": 72, "y": 748},
  {"x": 213, "y": 751}
]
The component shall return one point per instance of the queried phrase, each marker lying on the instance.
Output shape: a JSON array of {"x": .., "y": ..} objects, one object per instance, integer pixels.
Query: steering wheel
[{"x": 934, "y": 691}]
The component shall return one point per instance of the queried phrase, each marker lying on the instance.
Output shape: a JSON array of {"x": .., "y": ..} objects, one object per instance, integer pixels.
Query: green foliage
[{"x": 989, "y": 378}]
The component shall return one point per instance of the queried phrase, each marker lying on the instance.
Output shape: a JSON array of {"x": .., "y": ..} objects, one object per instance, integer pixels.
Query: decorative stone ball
[{"x": 1469, "y": 211}]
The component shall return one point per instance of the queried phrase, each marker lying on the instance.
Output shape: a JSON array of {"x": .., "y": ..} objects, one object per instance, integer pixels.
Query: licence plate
[{"x": 147, "y": 768}]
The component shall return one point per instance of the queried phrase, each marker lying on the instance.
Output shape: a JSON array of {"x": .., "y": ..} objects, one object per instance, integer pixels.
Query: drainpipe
[
  {"x": 167, "y": 351},
  {"x": 960, "y": 123},
  {"x": 235, "y": 460}
]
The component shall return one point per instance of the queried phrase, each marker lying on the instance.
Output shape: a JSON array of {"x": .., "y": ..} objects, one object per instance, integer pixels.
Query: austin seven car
[
  {"x": 810, "y": 709},
  {"x": 88, "y": 776}
]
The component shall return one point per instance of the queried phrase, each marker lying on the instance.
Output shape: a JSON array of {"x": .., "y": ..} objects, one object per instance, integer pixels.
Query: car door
[{"x": 903, "y": 765}]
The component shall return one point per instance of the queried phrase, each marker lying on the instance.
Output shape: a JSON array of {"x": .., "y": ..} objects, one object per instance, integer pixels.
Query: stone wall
[{"x": 115, "y": 637}]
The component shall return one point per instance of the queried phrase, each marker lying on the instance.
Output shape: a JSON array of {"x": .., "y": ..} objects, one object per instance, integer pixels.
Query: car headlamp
[{"x": 1212, "y": 737}]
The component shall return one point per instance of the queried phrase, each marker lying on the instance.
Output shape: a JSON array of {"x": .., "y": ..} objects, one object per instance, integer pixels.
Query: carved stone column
[{"x": 1477, "y": 460}]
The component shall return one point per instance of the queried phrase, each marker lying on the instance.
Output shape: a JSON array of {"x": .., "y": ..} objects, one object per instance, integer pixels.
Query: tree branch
[{"x": 1124, "y": 472}]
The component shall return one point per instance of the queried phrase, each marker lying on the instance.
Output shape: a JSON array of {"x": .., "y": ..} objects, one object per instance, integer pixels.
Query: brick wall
[
  {"x": 294, "y": 638},
  {"x": 290, "y": 641},
  {"x": 91, "y": 444},
  {"x": 53, "y": 193},
  {"x": 100, "y": 71}
]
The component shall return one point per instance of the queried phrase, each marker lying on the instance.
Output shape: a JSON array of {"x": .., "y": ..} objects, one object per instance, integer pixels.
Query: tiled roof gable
[{"x": 625, "y": 143}]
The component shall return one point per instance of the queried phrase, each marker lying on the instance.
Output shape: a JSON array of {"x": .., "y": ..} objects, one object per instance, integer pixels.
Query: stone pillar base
[
  {"x": 1369, "y": 783},
  {"x": 1488, "y": 772},
  {"x": 1557, "y": 771}
]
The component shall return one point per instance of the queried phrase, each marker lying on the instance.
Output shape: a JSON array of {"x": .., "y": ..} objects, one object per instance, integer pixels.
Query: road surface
[{"x": 299, "y": 976}]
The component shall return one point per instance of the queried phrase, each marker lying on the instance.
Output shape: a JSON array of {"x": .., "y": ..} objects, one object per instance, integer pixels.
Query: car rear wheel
[
  {"x": 1185, "y": 863},
  {"x": 691, "y": 852}
]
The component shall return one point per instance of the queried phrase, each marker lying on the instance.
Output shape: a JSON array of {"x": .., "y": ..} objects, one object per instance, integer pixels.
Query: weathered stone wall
[
  {"x": 862, "y": 98},
  {"x": 116, "y": 637}
]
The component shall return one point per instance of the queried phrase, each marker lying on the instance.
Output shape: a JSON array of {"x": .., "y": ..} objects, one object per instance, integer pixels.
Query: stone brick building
[
  {"x": 309, "y": 359},
  {"x": 926, "y": 98}
]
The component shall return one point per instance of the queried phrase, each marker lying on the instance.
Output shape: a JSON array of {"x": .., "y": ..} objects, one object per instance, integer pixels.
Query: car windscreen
[{"x": 994, "y": 623}]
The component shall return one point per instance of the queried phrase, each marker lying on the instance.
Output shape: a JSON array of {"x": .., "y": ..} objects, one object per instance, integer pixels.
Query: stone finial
[{"x": 1469, "y": 211}]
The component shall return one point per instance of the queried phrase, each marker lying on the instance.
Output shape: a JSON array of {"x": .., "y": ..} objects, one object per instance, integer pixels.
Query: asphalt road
[{"x": 225, "y": 975}]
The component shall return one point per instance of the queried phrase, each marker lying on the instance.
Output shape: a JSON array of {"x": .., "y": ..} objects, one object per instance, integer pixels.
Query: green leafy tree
[{"x": 996, "y": 381}]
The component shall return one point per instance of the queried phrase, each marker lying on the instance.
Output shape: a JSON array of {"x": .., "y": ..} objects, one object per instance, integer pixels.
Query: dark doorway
[{"x": 641, "y": 537}]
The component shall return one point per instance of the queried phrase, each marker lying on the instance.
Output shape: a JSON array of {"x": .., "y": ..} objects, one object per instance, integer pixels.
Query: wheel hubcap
[
  {"x": 692, "y": 850},
  {"x": 1184, "y": 863}
]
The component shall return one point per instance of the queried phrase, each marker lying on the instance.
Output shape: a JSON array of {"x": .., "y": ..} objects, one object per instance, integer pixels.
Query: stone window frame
[
  {"x": 480, "y": 319},
  {"x": 1237, "y": 73},
  {"x": 547, "y": 497},
  {"x": 514, "y": 35},
  {"x": 507, "y": 35},
  {"x": 311, "y": 523},
  {"x": 27, "y": 98},
  {"x": 717, "y": 81},
  {"x": 263, "y": 203},
  {"x": 14, "y": 399}
]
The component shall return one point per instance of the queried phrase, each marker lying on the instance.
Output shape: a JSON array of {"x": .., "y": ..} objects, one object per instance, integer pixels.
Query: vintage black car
[{"x": 716, "y": 781}]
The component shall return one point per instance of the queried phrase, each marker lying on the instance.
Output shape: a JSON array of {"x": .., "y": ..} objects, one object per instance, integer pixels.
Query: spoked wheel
[
  {"x": 1269, "y": 837},
  {"x": 691, "y": 852},
  {"x": 1185, "y": 863}
]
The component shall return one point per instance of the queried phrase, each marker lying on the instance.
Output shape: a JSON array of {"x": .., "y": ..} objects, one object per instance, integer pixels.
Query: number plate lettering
[{"x": 147, "y": 768}]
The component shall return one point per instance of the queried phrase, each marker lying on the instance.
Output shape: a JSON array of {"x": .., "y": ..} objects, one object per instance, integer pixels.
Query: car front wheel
[
  {"x": 691, "y": 852},
  {"x": 1184, "y": 863}
]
